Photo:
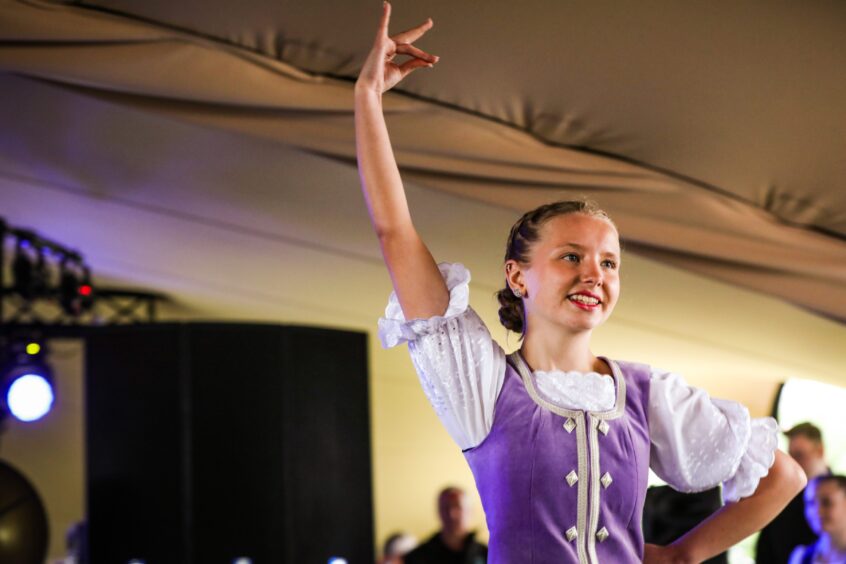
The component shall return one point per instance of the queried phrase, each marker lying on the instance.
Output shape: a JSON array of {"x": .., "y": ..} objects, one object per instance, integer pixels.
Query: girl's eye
[
  {"x": 572, "y": 257},
  {"x": 608, "y": 263}
]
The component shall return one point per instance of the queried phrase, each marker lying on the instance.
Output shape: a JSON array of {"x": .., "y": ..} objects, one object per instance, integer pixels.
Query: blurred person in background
[
  {"x": 454, "y": 543},
  {"x": 830, "y": 497},
  {"x": 812, "y": 514},
  {"x": 396, "y": 547},
  {"x": 790, "y": 529}
]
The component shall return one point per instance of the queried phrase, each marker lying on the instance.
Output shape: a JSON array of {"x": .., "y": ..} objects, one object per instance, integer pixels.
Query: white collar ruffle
[{"x": 589, "y": 391}]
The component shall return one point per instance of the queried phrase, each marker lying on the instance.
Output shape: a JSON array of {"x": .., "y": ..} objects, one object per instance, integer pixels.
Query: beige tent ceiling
[{"x": 713, "y": 132}]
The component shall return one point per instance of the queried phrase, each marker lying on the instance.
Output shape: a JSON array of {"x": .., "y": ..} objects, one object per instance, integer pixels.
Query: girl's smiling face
[{"x": 572, "y": 281}]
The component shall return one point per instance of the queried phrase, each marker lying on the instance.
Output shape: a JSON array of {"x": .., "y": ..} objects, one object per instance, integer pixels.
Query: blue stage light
[
  {"x": 26, "y": 382},
  {"x": 30, "y": 396}
]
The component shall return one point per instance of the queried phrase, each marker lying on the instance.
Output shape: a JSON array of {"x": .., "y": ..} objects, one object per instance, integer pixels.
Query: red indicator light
[{"x": 85, "y": 290}]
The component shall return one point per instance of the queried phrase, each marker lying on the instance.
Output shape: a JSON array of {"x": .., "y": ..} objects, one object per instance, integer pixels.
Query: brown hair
[
  {"x": 807, "y": 430},
  {"x": 524, "y": 233},
  {"x": 839, "y": 480}
]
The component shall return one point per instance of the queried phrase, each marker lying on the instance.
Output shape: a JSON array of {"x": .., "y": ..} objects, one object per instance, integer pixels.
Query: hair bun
[{"x": 511, "y": 310}]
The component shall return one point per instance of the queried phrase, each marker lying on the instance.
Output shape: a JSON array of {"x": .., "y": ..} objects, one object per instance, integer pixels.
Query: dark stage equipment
[
  {"x": 26, "y": 381},
  {"x": 23, "y": 520},
  {"x": 668, "y": 514},
  {"x": 210, "y": 442},
  {"x": 51, "y": 285}
]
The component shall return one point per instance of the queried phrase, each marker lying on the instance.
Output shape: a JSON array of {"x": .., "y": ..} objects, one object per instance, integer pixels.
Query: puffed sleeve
[
  {"x": 699, "y": 442},
  {"x": 461, "y": 368}
]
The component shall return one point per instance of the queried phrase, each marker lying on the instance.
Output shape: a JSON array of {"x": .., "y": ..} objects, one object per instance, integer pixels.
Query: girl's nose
[{"x": 591, "y": 273}]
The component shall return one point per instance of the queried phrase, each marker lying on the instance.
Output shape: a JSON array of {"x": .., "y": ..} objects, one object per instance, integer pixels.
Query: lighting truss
[{"x": 48, "y": 284}]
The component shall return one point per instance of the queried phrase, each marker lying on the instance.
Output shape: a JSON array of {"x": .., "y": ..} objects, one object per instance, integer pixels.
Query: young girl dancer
[{"x": 559, "y": 440}]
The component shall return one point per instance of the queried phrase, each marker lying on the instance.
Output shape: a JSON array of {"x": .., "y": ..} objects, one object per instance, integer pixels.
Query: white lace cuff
[
  {"x": 394, "y": 329},
  {"x": 756, "y": 461}
]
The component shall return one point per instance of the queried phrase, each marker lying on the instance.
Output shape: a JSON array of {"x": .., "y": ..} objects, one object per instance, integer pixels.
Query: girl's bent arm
[
  {"x": 416, "y": 279},
  {"x": 735, "y": 521}
]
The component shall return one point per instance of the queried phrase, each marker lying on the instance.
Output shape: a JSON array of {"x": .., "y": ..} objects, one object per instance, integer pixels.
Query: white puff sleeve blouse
[{"x": 697, "y": 442}]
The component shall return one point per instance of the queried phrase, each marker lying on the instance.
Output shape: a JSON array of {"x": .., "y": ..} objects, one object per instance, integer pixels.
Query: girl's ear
[{"x": 514, "y": 276}]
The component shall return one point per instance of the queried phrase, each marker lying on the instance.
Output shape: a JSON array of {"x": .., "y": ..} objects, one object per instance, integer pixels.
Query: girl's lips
[
  {"x": 584, "y": 300},
  {"x": 585, "y": 307}
]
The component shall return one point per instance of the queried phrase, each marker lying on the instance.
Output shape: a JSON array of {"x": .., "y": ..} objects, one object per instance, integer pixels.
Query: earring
[{"x": 517, "y": 292}]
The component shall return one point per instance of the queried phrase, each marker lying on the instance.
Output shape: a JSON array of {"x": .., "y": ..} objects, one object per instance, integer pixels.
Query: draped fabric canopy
[{"x": 713, "y": 133}]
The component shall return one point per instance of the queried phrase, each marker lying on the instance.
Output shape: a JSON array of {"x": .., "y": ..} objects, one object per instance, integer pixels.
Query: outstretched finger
[
  {"x": 386, "y": 19},
  {"x": 415, "y": 33},
  {"x": 411, "y": 65},
  {"x": 406, "y": 49}
]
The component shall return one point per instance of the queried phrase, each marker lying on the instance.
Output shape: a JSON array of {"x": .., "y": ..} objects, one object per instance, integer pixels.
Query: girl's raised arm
[{"x": 417, "y": 281}]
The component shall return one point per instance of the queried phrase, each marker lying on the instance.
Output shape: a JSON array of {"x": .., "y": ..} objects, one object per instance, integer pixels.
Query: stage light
[
  {"x": 44, "y": 272},
  {"x": 86, "y": 290},
  {"x": 30, "y": 397},
  {"x": 69, "y": 297},
  {"x": 26, "y": 382},
  {"x": 22, "y": 267},
  {"x": 41, "y": 273}
]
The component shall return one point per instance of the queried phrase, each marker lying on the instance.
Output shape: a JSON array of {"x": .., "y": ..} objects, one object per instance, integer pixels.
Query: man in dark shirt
[
  {"x": 790, "y": 529},
  {"x": 453, "y": 544}
]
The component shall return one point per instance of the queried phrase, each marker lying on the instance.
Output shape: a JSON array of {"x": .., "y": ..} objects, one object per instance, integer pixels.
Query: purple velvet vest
[{"x": 560, "y": 485}]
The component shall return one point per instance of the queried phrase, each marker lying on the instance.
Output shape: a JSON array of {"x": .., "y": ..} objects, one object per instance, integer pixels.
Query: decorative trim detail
[
  {"x": 602, "y": 534},
  {"x": 586, "y": 456},
  {"x": 594, "y": 488},
  {"x": 572, "y": 478},
  {"x": 582, "y": 503},
  {"x": 606, "y": 480}
]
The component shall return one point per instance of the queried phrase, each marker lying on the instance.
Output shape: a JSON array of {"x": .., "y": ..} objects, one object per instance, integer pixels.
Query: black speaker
[{"x": 211, "y": 443}]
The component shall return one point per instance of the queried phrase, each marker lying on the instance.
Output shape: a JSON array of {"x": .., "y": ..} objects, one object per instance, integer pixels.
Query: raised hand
[{"x": 380, "y": 73}]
